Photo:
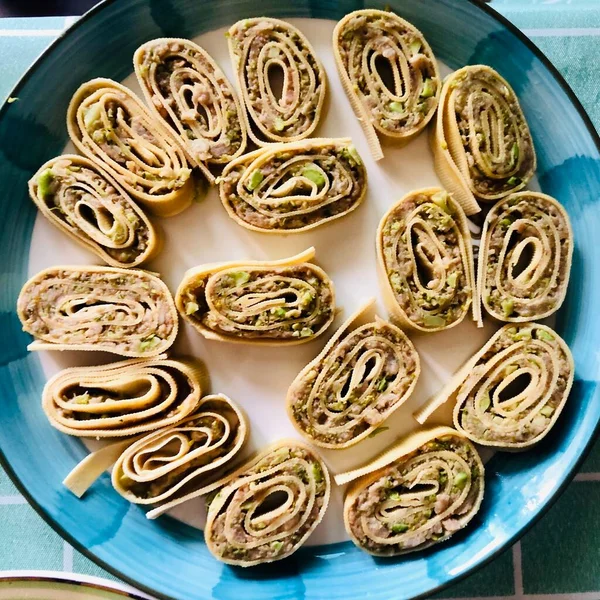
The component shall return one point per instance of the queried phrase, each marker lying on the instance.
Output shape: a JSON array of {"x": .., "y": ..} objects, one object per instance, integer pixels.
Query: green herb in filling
[
  {"x": 317, "y": 472},
  {"x": 547, "y": 411},
  {"x": 433, "y": 321},
  {"x": 415, "y": 46},
  {"x": 396, "y": 107},
  {"x": 399, "y": 528},
  {"x": 460, "y": 480},
  {"x": 428, "y": 89},
  {"x": 544, "y": 335},
  {"x": 149, "y": 342},
  {"x": 240, "y": 277},
  {"x": 255, "y": 180},
  {"x": 485, "y": 402},
  {"x": 191, "y": 308},
  {"x": 508, "y": 306},
  {"x": 314, "y": 174},
  {"x": 514, "y": 152},
  {"x": 451, "y": 279},
  {"x": 45, "y": 183}
]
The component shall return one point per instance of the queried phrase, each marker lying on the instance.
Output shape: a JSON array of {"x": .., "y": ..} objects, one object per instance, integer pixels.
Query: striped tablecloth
[{"x": 559, "y": 558}]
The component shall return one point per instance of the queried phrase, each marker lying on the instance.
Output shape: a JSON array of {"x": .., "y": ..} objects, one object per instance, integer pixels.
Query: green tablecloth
[{"x": 559, "y": 558}]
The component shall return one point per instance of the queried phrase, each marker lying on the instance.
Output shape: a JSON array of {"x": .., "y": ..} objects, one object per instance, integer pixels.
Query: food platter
[{"x": 104, "y": 525}]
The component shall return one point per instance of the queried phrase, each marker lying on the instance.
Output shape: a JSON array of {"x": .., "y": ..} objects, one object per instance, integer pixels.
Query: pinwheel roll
[
  {"x": 289, "y": 301},
  {"x": 294, "y": 187},
  {"x": 426, "y": 261},
  {"x": 366, "y": 44},
  {"x": 189, "y": 459},
  {"x": 417, "y": 494},
  {"x": 107, "y": 122},
  {"x": 187, "y": 90},
  {"x": 261, "y": 49},
  {"x": 269, "y": 507},
  {"x": 364, "y": 373},
  {"x": 76, "y": 196},
  {"x": 481, "y": 142},
  {"x": 525, "y": 257},
  {"x": 515, "y": 389},
  {"x": 123, "y": 311},
  {"x": 121, "y": 399}
]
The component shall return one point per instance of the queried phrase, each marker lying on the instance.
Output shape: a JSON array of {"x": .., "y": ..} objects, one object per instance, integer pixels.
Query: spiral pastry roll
[
  {"x": 289, "y": 301},
  {"x": 481, "y": 143},
  {"x": 525, "y": 257},
  {"x": 187, "y": 90},
  {"x": 294, "y": 187},
  {"x": 364, "y": 43},
  {"x": 426, "y": 261},
  {"x": 364, "y": 373},
  {"x": 515, "y": 388},
  {"x": 108, "y": 123},
  {"x": 122, "y": 399},
  {"x": 76, "y": 196},
  {"x": 174, "y": 464},
  {"x": 269, "y": 507},
  {"x": 123, "y": 311},
  {"x": 417, "y": 494},
  {"x": 260, "y": 47}
]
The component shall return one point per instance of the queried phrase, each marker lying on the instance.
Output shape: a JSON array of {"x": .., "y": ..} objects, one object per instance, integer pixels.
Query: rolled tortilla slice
[
  {"x": 417, "y": 494},
  {"x": 364, "y": 373},
  {"x": 269, "y": 507},
  {"x": 184, "y": 461},
  {"x": 525, "y": 258},
  {"x": 425, "y": 261},
  {"x": 288, "y": 301},
  {"x": 511, "y": 393},
  {"x": 517, "y": 388},
  {"x": 123, "y": 311},
  {"x": 124, "y": 398},
  {"x": 481, "y": 142},
  {"x": 294, "y": 187},
  {"x": 174, "y": 464},
  {"x": 186, "y": 89},
  {"x": 261, "y": 46},
  {"x": 79, "y": 198},
  {"x": 367, "y": 41},
  {"x": 107, "y": 122}
]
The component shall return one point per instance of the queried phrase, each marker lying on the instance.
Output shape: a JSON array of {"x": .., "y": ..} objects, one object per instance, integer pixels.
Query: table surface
[{"x": 559, "y": 559}]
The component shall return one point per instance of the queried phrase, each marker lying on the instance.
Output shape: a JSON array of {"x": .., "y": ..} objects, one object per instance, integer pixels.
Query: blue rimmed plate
[{"x": 168, "y": 557}]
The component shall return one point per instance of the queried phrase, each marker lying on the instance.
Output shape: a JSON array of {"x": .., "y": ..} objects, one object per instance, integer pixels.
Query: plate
[
  {"x": 168, "y": 557},
  {"x": 51, "y": 585}
]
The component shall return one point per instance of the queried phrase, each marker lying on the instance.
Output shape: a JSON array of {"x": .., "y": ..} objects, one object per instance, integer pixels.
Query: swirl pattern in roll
[
  {"x": 269, "y": 507},
  {"x": 289, "y": 301},
  {"x": 123, "y": 398},
  {"x": 481, "y": 144},
  {"x": 417, "y": 494},
  {"x": 107, "y": 122},
  {"x": 123, "y": 311},
  {"x": 426, "y": 260},
  {"x": 294, "y": 187},
  {"x": 260, "y": 46},
  {"x": 366, "y": 43},
  {"x": 515, "y": 387},
  {"x": 364, "y": 373},
  {"x": 79, "y": 198},
  {"x": 525, "y": 257},
  {"x": 189, "y": 459},
  {"x": 185, "y": 88}
]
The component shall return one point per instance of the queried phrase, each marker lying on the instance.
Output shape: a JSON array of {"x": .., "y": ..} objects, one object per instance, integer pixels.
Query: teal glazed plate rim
[{"x": 166, "y": 557}]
